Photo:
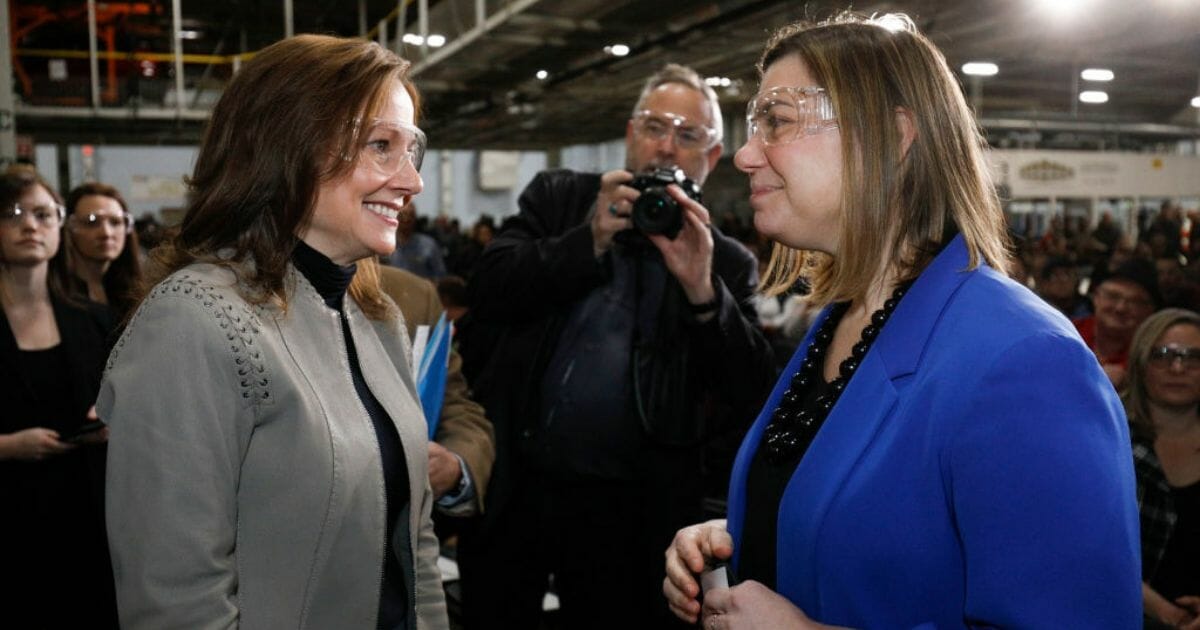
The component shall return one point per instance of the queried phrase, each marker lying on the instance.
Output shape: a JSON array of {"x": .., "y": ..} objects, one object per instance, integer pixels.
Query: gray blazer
[{"x": 244, "y": 482}]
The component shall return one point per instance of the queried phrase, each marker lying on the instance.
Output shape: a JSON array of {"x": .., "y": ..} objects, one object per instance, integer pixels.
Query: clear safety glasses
[
  {"x": 391, "y": 144},
  {"x": 92, "y": 220},
  {"x": 659, "y": 125},
  {"x": 47, "y": 216},
  {"x": 785, "y": 114}
]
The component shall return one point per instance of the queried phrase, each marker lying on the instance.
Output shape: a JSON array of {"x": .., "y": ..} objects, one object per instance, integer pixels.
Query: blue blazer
[{"x": 975, "y": 472}]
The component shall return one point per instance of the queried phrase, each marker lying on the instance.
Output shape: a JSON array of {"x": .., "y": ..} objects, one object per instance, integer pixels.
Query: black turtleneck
[{"x": 331, "y": 281}]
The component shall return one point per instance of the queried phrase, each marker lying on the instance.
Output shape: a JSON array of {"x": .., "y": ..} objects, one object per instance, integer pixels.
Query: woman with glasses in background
[
  {"x": 102, "y": 253},
  {"x": 51, "y": 355},
  {"x": 1162, "y": 400},
  {"x": 943, "y": 450},
  {"x": 267, "y": 462}
]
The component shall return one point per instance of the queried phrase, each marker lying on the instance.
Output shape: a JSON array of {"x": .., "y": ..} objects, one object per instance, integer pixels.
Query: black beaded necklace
[{"x": 794, "y": 424}]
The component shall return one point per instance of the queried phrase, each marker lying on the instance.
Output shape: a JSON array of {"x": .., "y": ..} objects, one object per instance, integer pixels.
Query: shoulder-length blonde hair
[
  {"x": 1135, "y": 395},
  {"x": 901, "y": 204},
  {"x": 289, "y": 121}
]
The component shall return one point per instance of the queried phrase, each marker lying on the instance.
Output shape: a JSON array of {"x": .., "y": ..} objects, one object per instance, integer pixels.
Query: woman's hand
[
  {"x": 1191, "y": 605},
  {"x": 33, "y": 445},
  {"x": 752, "y": 606},
  {"x": 687, "y": 556}
]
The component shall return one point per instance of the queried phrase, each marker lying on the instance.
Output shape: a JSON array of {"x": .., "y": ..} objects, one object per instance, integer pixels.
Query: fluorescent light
[
  {"x": 980, "y": 68},
  {"x": 1096, "y": 74},
  {"x": 413, "y": 38},
  {"x": 1093, "y": 96},
  {"x": 1063, "y": 9},
  {"x": 542, "y": 74},
  {"x": 189, "y": 34},
  {"x": 617, "y": 50},
  {"x": 1196, "y": 102},
  {"x": 436, "y": 41},
  {"x": 894, "y": 22}
]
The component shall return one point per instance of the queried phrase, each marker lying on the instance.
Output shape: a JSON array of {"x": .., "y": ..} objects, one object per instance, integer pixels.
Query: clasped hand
[{"x": 746, "y": 606}]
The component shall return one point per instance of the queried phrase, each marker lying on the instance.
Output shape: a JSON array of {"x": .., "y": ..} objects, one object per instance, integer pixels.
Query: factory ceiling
[{"x": 541, "y": 74}]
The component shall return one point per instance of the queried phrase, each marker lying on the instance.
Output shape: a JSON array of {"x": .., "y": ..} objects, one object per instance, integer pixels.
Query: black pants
[{"x": 602, "y": 541}]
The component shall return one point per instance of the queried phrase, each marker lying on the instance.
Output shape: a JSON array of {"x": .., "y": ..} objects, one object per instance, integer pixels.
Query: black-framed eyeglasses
[
  {"x": 92, "y": 220},
  {"x": 51, "y": 215},
  {"x": 1165, "y": 356}
]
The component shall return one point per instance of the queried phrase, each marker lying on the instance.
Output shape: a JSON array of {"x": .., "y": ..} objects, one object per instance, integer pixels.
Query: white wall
[
  {"x": 149, "y": 177},
  {"x": 452, "y": 186}
]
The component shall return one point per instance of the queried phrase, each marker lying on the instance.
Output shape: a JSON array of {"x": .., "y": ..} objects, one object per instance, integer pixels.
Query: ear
[
  {"x": 714, "y": 156},
  {"x": 907, "y": 126}
]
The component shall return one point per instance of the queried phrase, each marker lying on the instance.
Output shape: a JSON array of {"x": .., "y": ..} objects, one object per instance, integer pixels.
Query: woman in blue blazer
[{"x": 943, "y": 451}]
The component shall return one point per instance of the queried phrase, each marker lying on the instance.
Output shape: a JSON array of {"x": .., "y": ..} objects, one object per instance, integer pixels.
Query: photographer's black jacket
[{"x": 539, "y": 265}]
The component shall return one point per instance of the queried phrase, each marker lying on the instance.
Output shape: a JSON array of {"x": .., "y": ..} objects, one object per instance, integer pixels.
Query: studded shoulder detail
[{"x": 239, "y": 322}]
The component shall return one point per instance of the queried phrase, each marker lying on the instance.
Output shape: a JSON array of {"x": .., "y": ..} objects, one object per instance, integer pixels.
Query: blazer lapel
[{"x": 861, "y": 411}]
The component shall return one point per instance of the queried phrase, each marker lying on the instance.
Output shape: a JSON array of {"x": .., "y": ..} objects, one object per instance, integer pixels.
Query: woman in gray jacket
[{"x": 267, "y": 459}]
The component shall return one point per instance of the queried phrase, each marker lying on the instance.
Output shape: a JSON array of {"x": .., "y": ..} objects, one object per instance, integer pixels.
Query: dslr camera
[{"x": 656, "y": 211}]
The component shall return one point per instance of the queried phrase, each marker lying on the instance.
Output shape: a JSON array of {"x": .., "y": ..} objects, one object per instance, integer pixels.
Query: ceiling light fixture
[
  {"x": 1094, "y": 97},
  {"x": 541, "y": 75},
  {"x": 617, "y": 50},
  {"x": 980, "y": 68},
  {"x": 1196, "y": 102},
  {"x": 1096, "y": 74},
  {"x": 433, "y": 41}
]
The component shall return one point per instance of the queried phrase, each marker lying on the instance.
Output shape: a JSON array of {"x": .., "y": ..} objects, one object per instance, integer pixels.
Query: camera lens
[{"x": 655, "y": 212}]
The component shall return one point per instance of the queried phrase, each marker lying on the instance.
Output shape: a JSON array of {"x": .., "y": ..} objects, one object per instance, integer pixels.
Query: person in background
[
  {"x": 452, "y": 291},
  {"x": 942, "y": 451},
  {"x": 416, "y": 251},
  {"x": 103, "y": 254},
  {"x": 1122, "y": 300},
  {"x": 52, "y": 349},
  {"x": 268, "y": 460},
  {"x": 612, "y": 344},
  {"x": 461, "y": 455},
  {"x": 1058, "y": 284},
  {"x": 1161, "y": 400}
]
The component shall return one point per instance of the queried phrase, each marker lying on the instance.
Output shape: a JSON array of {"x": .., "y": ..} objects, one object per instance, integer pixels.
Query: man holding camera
[{"x": 623, "y": 326}]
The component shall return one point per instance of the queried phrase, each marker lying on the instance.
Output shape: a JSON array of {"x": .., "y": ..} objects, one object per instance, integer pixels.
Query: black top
[
  {"x": 52, "y": 509},
  {"x": 1179, "y": 572},
  {"x": 331, "y": 281},
  {"x": 765, "y": 483}
]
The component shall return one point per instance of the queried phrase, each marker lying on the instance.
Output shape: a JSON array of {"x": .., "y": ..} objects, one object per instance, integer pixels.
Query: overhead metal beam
[
  {"x": 8, "y": 130},
  {"x": 112, "y": 113},
  {"x": 177, "y": 50},
  {"x": 93, "y": 61},
  {"x": 467, "y": 38}
]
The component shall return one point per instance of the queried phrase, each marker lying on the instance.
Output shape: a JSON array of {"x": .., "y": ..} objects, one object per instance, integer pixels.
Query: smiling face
[
  {"x": 25, "y": 241},
  {"x": 795, "y": 187},
  {"x": 355, "y": 215},
  {"x": 103, "y": 239},
  {"x": 1175, "y": 384},
  {"x": 1121, "y": 305}
]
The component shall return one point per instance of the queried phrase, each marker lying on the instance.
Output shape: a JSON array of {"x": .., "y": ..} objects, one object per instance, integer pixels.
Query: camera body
[{"x": 656, "y": 211}]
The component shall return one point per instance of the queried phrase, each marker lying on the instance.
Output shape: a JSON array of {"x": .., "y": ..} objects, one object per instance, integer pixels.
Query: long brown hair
[
  {"x": 15, "y": 181},
  {"x": 123, "y": 277},
  {"x": 1135, "y": 395},
  {"x": 289, "y": 121},
  {"x": 901, "y": 205}
]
